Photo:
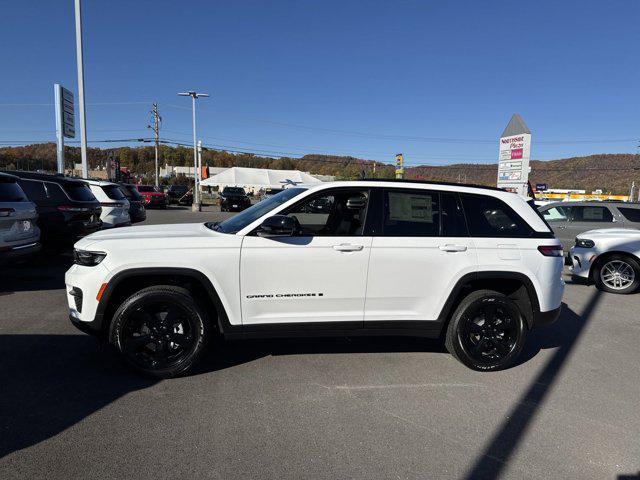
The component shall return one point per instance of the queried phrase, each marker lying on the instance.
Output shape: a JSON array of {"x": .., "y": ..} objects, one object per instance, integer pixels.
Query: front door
[
  {"x": 421, "y": 250},
  {"x": 318, "y": 275}
]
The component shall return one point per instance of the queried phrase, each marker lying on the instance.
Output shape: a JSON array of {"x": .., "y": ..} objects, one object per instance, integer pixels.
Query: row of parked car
[{"x": 37, "y": 208}]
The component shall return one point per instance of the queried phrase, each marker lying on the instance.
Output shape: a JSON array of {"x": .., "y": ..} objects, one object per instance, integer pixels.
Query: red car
[{"x": 153, "y": 198}]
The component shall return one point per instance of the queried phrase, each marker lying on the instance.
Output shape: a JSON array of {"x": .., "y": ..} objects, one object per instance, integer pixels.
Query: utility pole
[
  {"x": 83, "y": 124},
  {"x": 193, "y": 94},
  {"x": 157, "y": 119}
]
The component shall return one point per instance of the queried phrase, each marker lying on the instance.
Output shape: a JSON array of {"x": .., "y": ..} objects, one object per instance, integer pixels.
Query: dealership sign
[{"x": 515, "y": 151}]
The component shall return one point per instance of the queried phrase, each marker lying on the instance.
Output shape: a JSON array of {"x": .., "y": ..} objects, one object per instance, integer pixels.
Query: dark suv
[
  {"x": 234, "y": 198},
  {"x": 137, "y": 212},
  {"x": 67, "y": 208},
  {"x": 176, "y": 194}
]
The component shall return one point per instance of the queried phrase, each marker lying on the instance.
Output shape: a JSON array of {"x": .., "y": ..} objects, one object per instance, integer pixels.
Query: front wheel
[
  {"x": 617, "y": 274},
  {"x": 160, "y": 331},
  {"x": 486, "y": 332}
]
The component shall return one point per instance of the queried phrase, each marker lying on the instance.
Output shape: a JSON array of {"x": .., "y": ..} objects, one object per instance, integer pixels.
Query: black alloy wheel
[
  {"x": 160, "y": 331},
  {"x": 487, "y": 331}
]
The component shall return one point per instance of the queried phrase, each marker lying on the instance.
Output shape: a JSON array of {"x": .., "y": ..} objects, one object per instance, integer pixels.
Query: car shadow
[
  {"x": 44, "y": 271},
  {"x": 51, "y": 382}
]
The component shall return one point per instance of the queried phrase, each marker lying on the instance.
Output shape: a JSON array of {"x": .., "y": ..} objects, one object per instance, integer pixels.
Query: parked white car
[
  {"x": 115, "y": 206},
  {"x": 608, "y": 257},
  {"x": 478, "y": 265}
]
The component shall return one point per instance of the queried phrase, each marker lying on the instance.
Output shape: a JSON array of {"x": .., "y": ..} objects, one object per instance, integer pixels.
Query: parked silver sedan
[{"x": 19, "y": 234}]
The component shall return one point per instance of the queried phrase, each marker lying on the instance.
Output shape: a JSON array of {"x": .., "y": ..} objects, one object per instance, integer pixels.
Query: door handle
[
  {"x": 346, "y": 247},
  {"x": 453, "y": 248}
]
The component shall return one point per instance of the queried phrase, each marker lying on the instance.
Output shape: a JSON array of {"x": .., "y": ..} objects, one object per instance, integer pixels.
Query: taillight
[
  {"x": 69, "y": 208},
  {"x": 111, "y": 204},
  {"x": 551, "y": 250}
]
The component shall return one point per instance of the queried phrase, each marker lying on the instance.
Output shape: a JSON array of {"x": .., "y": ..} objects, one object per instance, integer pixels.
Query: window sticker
[
  {"x": 405, "y": 207},
  {"x": 593, "y": 213}
]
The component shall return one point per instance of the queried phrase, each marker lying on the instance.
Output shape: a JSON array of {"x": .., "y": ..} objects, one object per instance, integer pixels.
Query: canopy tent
[{"x": 256, "y": 178}]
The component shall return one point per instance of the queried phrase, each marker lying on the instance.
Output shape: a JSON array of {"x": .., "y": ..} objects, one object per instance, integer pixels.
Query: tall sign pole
[
  {"x": 65, "y": 121},
  {"x": 514, "y": 156},
  {"x": 83, "y": 125},
  {"x": 399, "y": 166}
]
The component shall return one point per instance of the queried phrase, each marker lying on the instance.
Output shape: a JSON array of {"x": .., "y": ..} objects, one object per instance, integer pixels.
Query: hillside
[{"x": 613, "y": 173}]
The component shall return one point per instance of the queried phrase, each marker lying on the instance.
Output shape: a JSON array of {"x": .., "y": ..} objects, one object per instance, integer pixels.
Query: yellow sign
[{"x": 399, "y": 166}]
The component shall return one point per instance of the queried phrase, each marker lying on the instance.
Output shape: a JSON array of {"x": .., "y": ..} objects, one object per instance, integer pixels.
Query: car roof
[
  {"x": 591, "y": 203},
  {"x": 6, "y": 178},
  {"x": 46, "y": 177}
]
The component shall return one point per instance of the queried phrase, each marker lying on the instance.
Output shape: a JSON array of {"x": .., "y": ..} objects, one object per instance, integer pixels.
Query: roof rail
[{"x": 450, "y": 184}]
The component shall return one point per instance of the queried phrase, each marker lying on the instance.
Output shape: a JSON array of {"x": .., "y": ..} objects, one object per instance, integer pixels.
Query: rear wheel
[
  {"x": 160, "y": 331},
  {"x": 617, "y": 274},
  {"x": 486, "y": 332}
]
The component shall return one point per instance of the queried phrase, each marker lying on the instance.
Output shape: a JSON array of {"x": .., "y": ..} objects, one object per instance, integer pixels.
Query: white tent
[{"x": 256, "y": 178}]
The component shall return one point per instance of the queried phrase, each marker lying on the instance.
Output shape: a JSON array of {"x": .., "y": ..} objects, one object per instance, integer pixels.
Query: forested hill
[{"x": 610, "y": 172}]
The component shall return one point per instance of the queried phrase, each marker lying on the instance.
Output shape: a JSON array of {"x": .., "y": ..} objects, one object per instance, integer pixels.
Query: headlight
[
  {"x": 584, "y": 243},
  {"x": 87, "y": 259}
]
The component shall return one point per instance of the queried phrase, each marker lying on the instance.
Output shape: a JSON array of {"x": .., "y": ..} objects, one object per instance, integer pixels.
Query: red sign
[{"x": 516, "y": 153}]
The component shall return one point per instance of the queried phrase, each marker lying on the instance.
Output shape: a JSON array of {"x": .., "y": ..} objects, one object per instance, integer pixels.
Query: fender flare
[
  {"x": 201, "y": 278},
  {"x": 449, "y": 305}
]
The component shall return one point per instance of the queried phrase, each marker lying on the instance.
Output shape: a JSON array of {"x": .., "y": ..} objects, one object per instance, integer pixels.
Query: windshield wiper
[{"x": 215, "y": 226}]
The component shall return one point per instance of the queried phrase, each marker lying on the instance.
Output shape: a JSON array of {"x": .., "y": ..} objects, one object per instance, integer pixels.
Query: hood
[
  {"x": 146, "y": 232},
  {"x": 616, "y": 233}
]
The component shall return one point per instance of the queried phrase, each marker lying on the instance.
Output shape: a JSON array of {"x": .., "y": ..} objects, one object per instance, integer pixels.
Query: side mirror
[
  {"x": 357, "y": 203},
  {"x": 278, "y": 226}
]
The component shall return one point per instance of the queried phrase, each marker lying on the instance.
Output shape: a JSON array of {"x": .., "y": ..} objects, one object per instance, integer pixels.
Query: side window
[
  {"x": 413, "y": 213},
  {"x": 333, "y": 213},
  {"x": 592, "y": 214},
  {"x": 453, "y": 222},
  {"x": 491, "y": 217},
  {"x": 34, "y": 190},
  {"x": 557, "y": 214},
  {"x": 631, "y": 214}
]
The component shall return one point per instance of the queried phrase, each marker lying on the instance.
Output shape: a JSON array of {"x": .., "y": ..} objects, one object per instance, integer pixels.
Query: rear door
[
  {"x": 318, "y": 276},
  {"x": 420, "y": 249},
  {"x": 589, "y": 217}
]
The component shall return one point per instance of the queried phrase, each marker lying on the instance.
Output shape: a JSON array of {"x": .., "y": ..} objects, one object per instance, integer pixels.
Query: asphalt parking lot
[{"x": 323, "y": 408}]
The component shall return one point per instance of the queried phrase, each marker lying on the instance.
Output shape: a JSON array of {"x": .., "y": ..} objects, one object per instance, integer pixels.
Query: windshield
[
  {"x": 233, "y": 191},
  {"x": 113, "y": 192},
  {"x": 251, "y": 214},
  {"x": 79, "y": 192}
]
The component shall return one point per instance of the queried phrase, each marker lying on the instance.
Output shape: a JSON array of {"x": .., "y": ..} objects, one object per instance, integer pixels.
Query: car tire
[
  {"x": 483, "y": 344},
  {"x": 160, "y": 331},
  {"x": 628, "y": 269}
]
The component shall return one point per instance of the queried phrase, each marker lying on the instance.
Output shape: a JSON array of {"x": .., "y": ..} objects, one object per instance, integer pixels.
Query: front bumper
[
  {"x": 581, "y": 261},
  {"x": 87, "y": 280}
]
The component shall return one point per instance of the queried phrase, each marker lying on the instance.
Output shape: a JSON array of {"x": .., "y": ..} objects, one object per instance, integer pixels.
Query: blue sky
[{"x": 435, "y": 80}]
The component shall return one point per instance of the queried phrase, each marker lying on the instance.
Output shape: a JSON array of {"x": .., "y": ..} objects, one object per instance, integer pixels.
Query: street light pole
[
  {"x": 83, "y": 125},
  {"x": 196, "y": 203}
]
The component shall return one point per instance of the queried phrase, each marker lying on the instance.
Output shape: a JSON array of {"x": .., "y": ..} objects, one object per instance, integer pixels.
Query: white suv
[
  {"x": 478, "y": 265},
  {"x": 115, "y": 206}
]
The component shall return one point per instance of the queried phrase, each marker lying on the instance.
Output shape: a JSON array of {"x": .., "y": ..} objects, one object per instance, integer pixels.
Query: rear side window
[
  {"x": 131, "y": 193},
  {"x": 34, "y": 190},
  {"x": 79, "y": 193},
  {"x": 11, "y": 192},
  {"x": 113, "y": 192},
  {"x": 591, "y": 214},
  {"x": 631, "y": 214},
  {"x": 491, "y": 217}
]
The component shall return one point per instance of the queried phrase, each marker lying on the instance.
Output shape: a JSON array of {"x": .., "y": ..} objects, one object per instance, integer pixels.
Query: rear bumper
[
  {"x": 19, "y": 252},
  {"x": 545, "y": 318}
]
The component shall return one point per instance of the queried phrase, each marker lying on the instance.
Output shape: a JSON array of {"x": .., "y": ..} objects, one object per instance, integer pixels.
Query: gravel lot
[{"x": 324, "y": 408}]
